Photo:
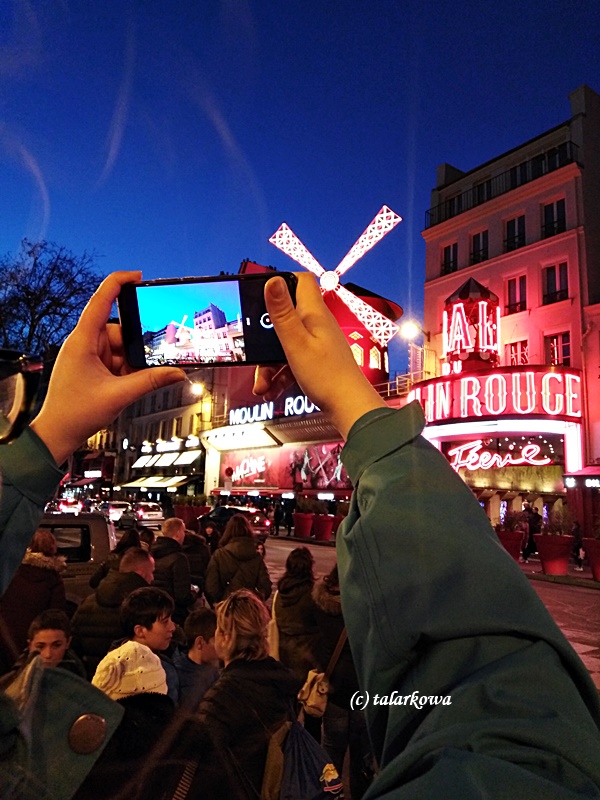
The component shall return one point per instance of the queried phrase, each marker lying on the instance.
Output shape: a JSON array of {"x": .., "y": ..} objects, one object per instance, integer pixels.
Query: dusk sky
[{"x": 176, "y": 136}]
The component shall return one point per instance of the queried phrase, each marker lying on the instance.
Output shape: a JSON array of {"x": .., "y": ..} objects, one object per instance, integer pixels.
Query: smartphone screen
[{"x": 204, "y": 321}]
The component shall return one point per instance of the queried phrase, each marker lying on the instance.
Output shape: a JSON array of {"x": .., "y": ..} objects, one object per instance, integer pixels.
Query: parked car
[
  {"x": 120, "y": 512},
  {"x": 70, "y": 505},
  {"x": 149, "y": 514},
  {"x": 85, "y": 540},
  {"x": 220, "y": 516}
]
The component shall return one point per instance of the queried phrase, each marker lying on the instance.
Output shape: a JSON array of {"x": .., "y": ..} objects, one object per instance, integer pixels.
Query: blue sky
[{"x": 176, "y": 137}]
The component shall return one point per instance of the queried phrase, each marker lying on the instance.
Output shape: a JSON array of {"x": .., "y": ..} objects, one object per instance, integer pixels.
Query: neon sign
[
  {"x": 476, "y": 330},
  {"x": 249, "y": 466},
  {"x": 554, "y": 392},
  {"x": 294, "y": 406},
  {"x": 472, "y": 456}
]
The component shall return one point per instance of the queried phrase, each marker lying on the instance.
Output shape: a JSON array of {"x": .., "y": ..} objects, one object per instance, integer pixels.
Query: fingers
[
  {"x": 270, "y": 382},
  {"x": 137, "y": 384},
  {"x": 95, "y": 315}
]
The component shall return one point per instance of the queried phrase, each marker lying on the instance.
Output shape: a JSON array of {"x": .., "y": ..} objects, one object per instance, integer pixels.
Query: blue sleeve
[
  {"x": 29, "y": 479},
  {"x": 435, "y": 608}
]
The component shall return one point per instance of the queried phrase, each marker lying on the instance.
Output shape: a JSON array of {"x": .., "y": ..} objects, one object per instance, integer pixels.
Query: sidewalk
[{"x": 533, "y": 570}]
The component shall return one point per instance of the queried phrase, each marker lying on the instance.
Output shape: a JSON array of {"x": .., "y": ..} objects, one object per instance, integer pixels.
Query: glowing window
[
  {"x": 374, "y": 358},
  {"x": 358, "y": 354}
]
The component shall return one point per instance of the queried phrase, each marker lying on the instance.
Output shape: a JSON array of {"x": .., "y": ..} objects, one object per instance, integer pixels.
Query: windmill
[
  {"x": 178, "y": 333},
  {"x": 379, "y": 327}
]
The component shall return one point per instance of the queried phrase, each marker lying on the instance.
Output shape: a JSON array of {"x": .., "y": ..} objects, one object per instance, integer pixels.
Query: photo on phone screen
[{"x": 207, "y": 321}]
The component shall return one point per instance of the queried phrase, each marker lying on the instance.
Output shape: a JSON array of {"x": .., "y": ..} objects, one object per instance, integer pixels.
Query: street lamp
[{"x": 411, "y": 329}]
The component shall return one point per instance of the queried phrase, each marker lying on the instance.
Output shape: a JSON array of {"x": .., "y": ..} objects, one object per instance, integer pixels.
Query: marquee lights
[
  {"x": 553, "y": 392},
  {"x": 472, "y": 327},
  {"x": 472, "y": 456}
]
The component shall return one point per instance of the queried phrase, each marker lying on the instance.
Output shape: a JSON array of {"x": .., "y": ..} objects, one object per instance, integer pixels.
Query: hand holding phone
[{"x": 195, "y": 322}]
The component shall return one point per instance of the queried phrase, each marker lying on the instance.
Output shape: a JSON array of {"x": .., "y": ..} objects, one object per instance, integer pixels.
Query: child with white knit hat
[{"x": 128, "y": 670}]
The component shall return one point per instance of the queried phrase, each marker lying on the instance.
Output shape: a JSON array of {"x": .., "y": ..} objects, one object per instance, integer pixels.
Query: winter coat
[
  {"x": 194, "y": 679},
  {"x": 71, "y": 662},
  {"x": 524, "y": 715},
  {"x": 172, "y": 573},
  {"x": 240, "y": 711},
  {"x": 112, "y": 562},
  {"x": 36, "y": 587},
  {"x": 238, "y": 565},
  {"x": 97, "y": 624},
  {"x": 343, "y": 682},
  {"x": 297, "y": 625}
]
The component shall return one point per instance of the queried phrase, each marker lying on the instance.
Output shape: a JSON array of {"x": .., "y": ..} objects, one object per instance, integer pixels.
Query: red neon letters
[{"x": 472, "y": 456}]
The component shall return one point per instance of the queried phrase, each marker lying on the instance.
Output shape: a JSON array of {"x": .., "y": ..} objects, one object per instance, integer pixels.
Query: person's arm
[
  {"x": 213, "y": 585},
  {"x": 91, "y": 384},
  {"x": 182, "y": 581},
  {"x": 434, "y": 606},
  {"x": 263, "y": 584}
]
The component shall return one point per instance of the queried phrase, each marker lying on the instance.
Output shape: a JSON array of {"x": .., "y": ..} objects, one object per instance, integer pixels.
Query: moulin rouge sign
[{"x": 511, "y": 392}]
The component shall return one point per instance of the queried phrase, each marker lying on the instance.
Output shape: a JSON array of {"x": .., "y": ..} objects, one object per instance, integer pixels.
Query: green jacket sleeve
[
  {"x": 29, "y": 479},
  {"x": 435, "y": 608}
]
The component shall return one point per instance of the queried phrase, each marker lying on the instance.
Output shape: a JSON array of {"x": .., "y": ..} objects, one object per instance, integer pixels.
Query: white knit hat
[{"x": 130, "y": 669}]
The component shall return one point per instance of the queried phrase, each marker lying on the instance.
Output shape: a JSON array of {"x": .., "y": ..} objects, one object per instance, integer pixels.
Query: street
[{"x": 575, "y": 609}]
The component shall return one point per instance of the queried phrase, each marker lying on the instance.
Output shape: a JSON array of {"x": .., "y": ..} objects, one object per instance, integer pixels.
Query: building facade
[{"x": 512, "y": 294}]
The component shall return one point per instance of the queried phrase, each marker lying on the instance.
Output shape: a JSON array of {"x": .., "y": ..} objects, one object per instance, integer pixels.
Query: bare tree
[{"x": 43, "y": 290}]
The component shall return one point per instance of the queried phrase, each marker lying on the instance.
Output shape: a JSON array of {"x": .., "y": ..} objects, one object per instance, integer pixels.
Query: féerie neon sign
[
  {"x": 472, "y": 456},
  {"x": 517, "y": 392}
]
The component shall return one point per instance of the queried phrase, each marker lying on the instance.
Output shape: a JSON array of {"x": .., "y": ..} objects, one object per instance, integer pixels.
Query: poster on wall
[{"x": 291, "y": 466}]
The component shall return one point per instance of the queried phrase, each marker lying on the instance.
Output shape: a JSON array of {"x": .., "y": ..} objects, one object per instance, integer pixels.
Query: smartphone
[{"x": 198, "y": 322}]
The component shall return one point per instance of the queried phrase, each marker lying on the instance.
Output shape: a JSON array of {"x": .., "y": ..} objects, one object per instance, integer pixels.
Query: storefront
[{"x": 167, "y": 467}]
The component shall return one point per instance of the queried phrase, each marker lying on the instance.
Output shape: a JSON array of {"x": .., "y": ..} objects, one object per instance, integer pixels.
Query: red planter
[
  {"x": 337, "y": 521},
  {"x": 322, "y": 526},
  {"x": 592, "y": 551},
  {"x": 512, "y": 542},
  {"x": 554, "y": 552},
  {"x": 302, "y": 524}
]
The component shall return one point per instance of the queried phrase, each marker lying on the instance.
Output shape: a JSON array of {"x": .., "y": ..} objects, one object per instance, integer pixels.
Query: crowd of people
[{"x": 184, "y": 702}]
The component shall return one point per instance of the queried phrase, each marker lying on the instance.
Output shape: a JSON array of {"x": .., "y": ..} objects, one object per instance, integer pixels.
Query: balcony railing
[
  {"x": 514, "y": 243},
  {"x": 526, "y": 172},
  {"x": 555, "y": 297},
  {"x": 514, "y": 308},
  {"x": 553, "y": 228},
  {"x": 477, "y": 256},
  {"x": 449, "y": 266}
]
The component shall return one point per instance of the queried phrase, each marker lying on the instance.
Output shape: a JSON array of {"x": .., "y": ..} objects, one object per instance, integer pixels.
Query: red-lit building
[{"x": 512, "y": 306}]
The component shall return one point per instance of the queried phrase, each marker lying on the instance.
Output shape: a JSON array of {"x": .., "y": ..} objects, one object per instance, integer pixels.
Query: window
[
  {"x": 374, "y": 358},
  {"x": 358, "y": 354},
  {"x": 556, "y": 284},
  {"x": 450, "y": 258},
  {"x": 178, "y": 426},
  {"x": 516, "y": 294},
  {"x": 482, "y": 192},
  {"x": 554, "y": 219},
  {"x": 517, "y": 353},
  {"x": 515, "y": 234},
  {"x": 479, "y": 247},
  {"x": 558, "y": 349},
  {"x": 518, "y": 175},
  {"x": 165, "y": 399},
  {"x": 153, "y": 403}
]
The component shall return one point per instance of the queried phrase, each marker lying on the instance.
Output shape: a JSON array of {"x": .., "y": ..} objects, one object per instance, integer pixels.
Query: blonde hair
[
  {"x": 244, "y": 618},
  {"x": 172, "y": 527}
]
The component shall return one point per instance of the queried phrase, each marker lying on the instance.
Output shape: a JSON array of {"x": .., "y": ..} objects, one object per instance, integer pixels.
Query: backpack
[{"x": 297, "y": 767}]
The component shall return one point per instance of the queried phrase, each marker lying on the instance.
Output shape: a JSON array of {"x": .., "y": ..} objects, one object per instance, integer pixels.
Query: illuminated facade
[{"x": 512, "y": 301}]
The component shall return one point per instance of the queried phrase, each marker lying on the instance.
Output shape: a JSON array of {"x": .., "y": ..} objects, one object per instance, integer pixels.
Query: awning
[
  {"x": 83, "y": 482},
  {"x": 157, "y": 482}
]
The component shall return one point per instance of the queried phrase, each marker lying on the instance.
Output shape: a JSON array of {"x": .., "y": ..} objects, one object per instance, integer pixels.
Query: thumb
[
  {"x": 137, "y": 384},
  {"x": 285, "y": 318}
]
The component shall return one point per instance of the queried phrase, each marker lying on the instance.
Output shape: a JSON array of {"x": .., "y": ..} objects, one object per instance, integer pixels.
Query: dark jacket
[
  {"x": 297, "y": 625},
  {"x": 194, "y": 679},
  {"x": 238, "y": 565},
  {"x": 70, "y": 663},
  {"x": 36, "y": 587},
  {"x": 112, "y": 561},
  {"x": 239, "y": 712},
  {"x": 343, "y": 682},
  {"x": 198, "y": 556},
  {"x": 96, "y": 624},
  {"x": 172, "y": 573}
]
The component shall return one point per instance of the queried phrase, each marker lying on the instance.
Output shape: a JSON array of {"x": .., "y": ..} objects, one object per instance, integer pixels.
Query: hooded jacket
[
  {"x": 238, "y": 565},
  {"x": 36, "y": 587},
  {"x": 241, "y": 710},
  {"x": 96, "y": 624},
  {"x": 297, "y": 625},
  {"x": 343, "y": 682}
]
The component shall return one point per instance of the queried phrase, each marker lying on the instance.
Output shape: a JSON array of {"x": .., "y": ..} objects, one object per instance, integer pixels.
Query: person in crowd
[
  {"x": 172, "y": 568},
  {"x": 197, "y": 664},
  {"x": 416, "y": 624},
  {"x": 578, "y": 551},
  {"x": 198, "y": 555},
  {"x": 254, "y": 693},
  {"x": 288, "y": 520},
  {"x": 129, "y": 539},
  {"x": 49, "y": 637},
  {"x": 261, "y": 549},
  {"x": 147, "y": 536},
  {"x": 277, "y": 518},
  {"x": 417, "y": 620},
  {"x": 37, "y": 586},
  {"x": 212, "y": 535},
  {"x": 97, "y": 621},
  {"x": 344, "y": 728},
  {"x": 236, "y": 564}
]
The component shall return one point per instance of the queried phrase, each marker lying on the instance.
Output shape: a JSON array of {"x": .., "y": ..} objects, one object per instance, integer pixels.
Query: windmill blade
[
  {"x": 286, "y": 240},
  {"x": 380, "y": 327},
  {"x": 383, "y": 223}
]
